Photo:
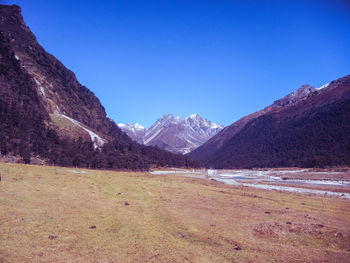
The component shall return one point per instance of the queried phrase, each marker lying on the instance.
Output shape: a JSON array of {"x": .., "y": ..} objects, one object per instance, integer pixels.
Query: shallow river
[{"x": 269, "y": 178}]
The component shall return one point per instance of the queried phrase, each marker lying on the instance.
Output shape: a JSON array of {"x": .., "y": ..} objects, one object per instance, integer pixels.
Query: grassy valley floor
[{"x": 55, "y": 214}]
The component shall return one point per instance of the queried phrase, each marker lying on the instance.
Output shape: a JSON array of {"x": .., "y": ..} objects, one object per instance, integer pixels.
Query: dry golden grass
[{"x": 47, "y": 214}]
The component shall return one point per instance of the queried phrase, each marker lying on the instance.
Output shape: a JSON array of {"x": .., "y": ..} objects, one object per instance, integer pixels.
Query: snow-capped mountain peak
[
  {"x": 173, "y": 133},
  {"x": 193, "y": 116},
  {"x": 134, "y": 131},
  {"x": 138, "y": 126}
]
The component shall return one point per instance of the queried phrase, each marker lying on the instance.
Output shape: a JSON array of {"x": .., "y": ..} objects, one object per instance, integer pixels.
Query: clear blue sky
[{"x": 222, "y": 59}]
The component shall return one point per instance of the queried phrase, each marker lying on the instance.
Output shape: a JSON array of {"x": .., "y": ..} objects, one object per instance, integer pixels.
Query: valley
[
  {"x": 57, "y": 214},
  {"x": 273, "y": 186}
]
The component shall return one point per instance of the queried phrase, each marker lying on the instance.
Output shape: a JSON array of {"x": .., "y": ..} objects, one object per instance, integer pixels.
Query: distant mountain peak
[
  {"x": 138, "y": 126},
  {"x": 134, "y": 131},
  {"x": 305, "y": 91},
  {"x": 134, "y": 126},
  {"x": 174, "y": 133},
  {"x": 194, "y": 116}
]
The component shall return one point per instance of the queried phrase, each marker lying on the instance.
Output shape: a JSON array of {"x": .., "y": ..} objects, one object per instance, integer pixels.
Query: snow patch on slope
[
  {"x": 153, "y": 136},
  {"x": 97, "y": 140},
  {"x": 41, "y": 88},
  {"x": 323, "y": 86}
]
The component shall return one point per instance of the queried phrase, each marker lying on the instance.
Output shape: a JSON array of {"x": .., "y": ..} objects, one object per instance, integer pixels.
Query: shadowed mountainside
[{"x": 307, "y": 128}]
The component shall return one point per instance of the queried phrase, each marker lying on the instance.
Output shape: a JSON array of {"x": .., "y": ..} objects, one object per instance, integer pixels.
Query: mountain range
[
  {"x": 46, "y": 114},
  {"x": 174, "y": 134},
  {"x": 307, "y": 128}
]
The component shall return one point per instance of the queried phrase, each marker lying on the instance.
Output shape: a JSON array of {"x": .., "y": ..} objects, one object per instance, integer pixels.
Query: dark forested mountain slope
[
  {"x": 45, "y": 112},
  {"x": 212, "y": 145},
  {"x": 308, "y": 128}
]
